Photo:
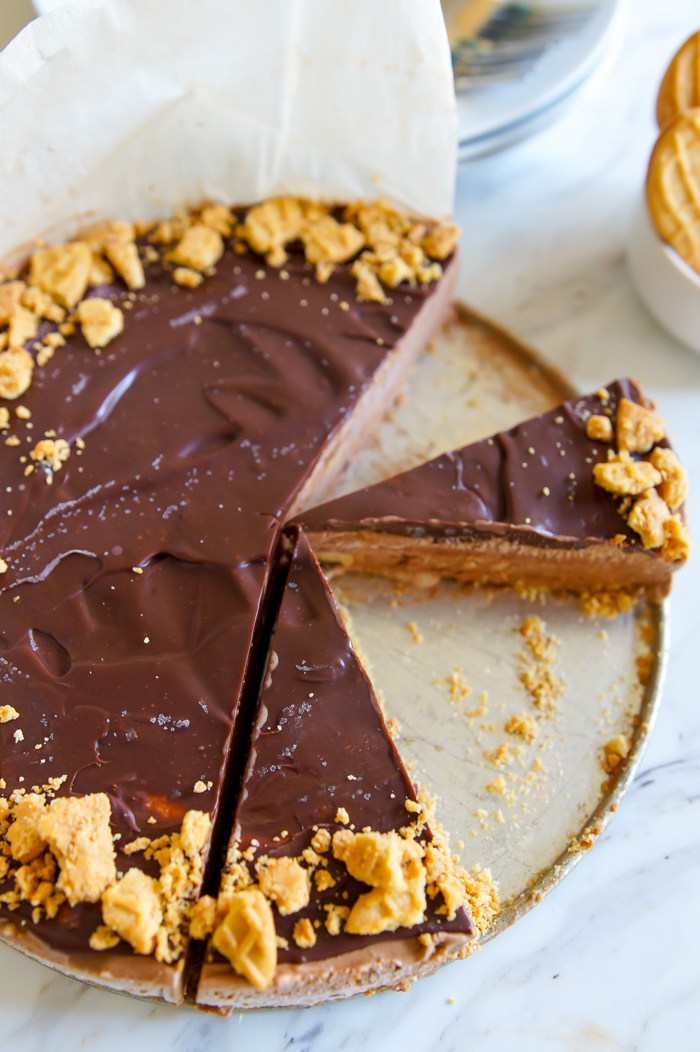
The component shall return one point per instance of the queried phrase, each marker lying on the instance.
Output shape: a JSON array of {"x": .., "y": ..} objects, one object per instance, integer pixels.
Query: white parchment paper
[{"x": 127, "y": 107}]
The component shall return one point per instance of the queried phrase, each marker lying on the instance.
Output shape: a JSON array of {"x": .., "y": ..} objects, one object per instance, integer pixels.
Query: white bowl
[
  {"x": 668, "y": 286},
  {"x": 44, "y": 6}
]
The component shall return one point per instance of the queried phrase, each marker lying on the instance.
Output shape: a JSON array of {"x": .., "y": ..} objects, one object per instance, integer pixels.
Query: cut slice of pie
[
  {"x": 588, "y": 498},
  {"x": 335, "y": 884}
]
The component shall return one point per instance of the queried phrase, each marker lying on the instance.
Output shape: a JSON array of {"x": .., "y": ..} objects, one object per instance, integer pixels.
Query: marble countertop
[{"x": 605, "y": 962}]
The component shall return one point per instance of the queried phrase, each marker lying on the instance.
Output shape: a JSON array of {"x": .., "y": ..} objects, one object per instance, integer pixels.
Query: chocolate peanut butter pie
[
  {"x": 198, "y": 789},
  {"x": 169, "y": 394},
  {"x": 587, "y": 498}
]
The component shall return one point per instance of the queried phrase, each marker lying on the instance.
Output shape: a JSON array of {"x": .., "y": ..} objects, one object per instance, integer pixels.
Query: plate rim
[{"x": 552, "y": 875}]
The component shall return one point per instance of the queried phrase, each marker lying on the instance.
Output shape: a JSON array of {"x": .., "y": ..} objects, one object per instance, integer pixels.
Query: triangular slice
[
  {"x": 587, "y": 498},
  {"x": 326, "y": 800}
]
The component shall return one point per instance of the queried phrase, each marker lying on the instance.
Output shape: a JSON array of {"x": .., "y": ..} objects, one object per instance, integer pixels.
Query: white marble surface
[{"x": 609, "y": 961}]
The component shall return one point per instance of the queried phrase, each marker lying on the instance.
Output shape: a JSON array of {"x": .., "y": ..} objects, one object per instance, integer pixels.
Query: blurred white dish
[
  {"x": 44, "y": 6},
  {"x": 493, "y": 118},
  {"x": 668, "y": 286}
]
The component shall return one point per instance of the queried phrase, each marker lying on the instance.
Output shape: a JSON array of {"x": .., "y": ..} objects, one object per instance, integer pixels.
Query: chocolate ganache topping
[
  {"x": 136, "y": 579},
  {"x": 533, "y": 484}
]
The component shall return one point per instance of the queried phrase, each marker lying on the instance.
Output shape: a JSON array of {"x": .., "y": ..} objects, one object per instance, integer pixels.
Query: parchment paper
[{"x": 127, "y": 107}]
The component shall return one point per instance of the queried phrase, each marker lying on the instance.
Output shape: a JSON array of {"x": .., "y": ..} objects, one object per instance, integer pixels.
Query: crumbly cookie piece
[
  {"x": 24, "y": 838},
  {"x": 647, "y": 518},
  {"x": 285, "y": 882},
  {"x": 638, "y": 428},
  {"x": 599, "y": 428},
  {"x": 304, "y": 934},
  {"x": 100, "y": 321},
  {"x": 132, "y": 909},
  {"x": 523, "y": 725},
  {"x": 624, "y": 476},
  {"x": 246, "y": 937},
  {"x": 16, "y": 369},
  {"x": 200, "y": 248},
  {"x": 78, "y": 833},
  {"x": 680, "y": 88},
  {"x": 673, "y": 186},
  {"x": 674, "y": 487},
  {"x": 396, "y": 247},
  {"x": 394, "y": 868},
  {"x": 51, "y": 452},
  {"x": 615, "y": 751},
  {"x": 676, "y": 545},
  {"x": 62, "y": 271}
]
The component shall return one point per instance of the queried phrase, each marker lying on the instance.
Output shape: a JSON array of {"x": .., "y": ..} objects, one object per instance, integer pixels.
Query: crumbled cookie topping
[
  {"x": 659, "y": 483},
  {"x": 396, "y": 248},
  {"x": 66, "y": 851},
  {"x": 387, "y": 247},
  {"x": 51, "y": 452},
  {"x": 100, "y": 321},
  {"x": 114, "y": 242},
  {"x": 523, "y": 725},
  {"x": 78, "y": 834},
  {"x": 676, "y": 546},
  {"x": 41, "y": 304},
  {"x": 103, "y": 938},
  {"x": 284, "y": 882},
  {"x": 187, "y": 277},
  {"x": 638, "y": 428},
  {"x": 323, "y": 880},
  {"x": 537, "y": 674},
  {"x": 321, "y": 841},
  {"x": 394, "y": 869},
  {"x": 7, "y": 713},
  {"x": 624, "y": 476},
  {"x": 599, "y": 428},
  {"x": 16, "y": 368},
  {"x": 399, "y": 869},
  {"x": 10, "y": 299},
  {"x": 200, "y": 248},
  {"x": 647, "y": 518},
  {"x": 23, "y": 837},
  {"x": 304, "y": 934},
  {"x": 152, "y": 915},
  {"x": 132, "y": 909},
  {"x": 607, "y": 604},
  {"x": 246, "y": 937},
  {"x": 674, "y": 485},
  {"x": 336, "y": 916},
  {"x": 140, "y": 844},
  {"x": 219, "y": 218},
  {"x": 615, "y": 751},
  {"x": 203, "y": 917},
  {"x": 62, "y": 271}
]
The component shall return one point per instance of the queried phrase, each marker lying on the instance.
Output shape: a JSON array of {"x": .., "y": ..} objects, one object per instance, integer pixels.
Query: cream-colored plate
[{"x": 449, "y": 662}]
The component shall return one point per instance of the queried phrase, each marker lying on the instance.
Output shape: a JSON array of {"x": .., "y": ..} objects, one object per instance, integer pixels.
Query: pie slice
[
  {"x": 587, "y": 498},
  {"x": 165, "y": 402},
  {"x": 331, "y": 857}
]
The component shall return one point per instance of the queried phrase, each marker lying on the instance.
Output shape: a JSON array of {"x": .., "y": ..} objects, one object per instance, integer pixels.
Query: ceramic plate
[{"x": 491, "y": 119}]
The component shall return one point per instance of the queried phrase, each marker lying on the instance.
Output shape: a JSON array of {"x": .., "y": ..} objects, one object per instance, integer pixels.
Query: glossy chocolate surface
[
  {"x": 533, "y": 484},
  {"x": 321, "y": 743},
  {"x": 200, "y": 423}
]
